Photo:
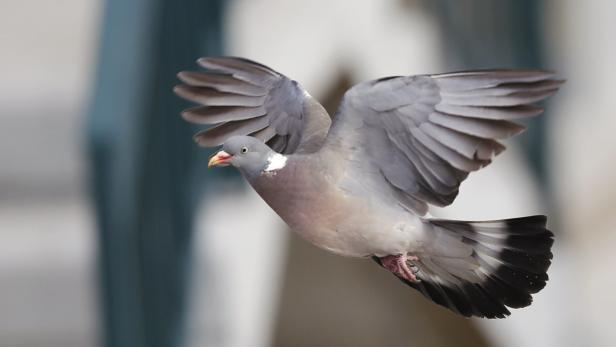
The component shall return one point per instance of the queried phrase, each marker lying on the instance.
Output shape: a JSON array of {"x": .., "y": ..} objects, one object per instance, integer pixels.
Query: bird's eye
[{"x": 244, "y": 150}]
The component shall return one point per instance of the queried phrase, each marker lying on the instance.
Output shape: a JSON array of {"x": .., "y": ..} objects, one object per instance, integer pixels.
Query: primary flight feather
[{"x": 361, "y": 186}]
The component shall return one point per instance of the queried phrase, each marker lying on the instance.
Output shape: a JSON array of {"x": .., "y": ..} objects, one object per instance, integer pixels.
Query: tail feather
[{"x": 485, "y": 267}]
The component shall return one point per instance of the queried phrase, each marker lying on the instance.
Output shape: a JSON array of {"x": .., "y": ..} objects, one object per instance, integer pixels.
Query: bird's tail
[{"x": 479, "y": 268}]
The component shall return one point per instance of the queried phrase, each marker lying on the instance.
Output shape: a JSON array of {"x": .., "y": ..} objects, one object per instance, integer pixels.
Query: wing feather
[
  {"x": 221, "y": 82},
  {"x": 221, "y": 114},
  {"x": 503, "y": 113},
  {"x": 213, "y": 97},
  {"x": 242, "y": 97},
  {"x": 216, "y": 136},
  {"x": 484, "y": 128},
  {"x": 426, "y": 133}
]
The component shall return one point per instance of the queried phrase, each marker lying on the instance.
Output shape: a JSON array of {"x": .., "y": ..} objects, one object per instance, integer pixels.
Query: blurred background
[{"x": 113, "y": 233}]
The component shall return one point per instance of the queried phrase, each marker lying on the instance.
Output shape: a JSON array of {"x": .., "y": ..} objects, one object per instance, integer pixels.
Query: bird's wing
[
  {"x": 422, "y": 135},
  {"x": 242, "y": 97}
]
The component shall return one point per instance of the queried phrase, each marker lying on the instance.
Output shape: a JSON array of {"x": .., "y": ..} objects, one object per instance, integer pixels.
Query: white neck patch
[{"x": 275, "y": 162}]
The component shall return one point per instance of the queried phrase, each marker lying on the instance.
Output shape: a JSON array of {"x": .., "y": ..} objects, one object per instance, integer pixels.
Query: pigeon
[{"x": 360, "y": 184}]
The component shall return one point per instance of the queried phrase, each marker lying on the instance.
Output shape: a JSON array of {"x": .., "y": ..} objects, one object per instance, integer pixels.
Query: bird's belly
[
  {"x": 332, "y": 219},
  {"x": 348, "y": 226},
  {"x": 359, "y": 234}
]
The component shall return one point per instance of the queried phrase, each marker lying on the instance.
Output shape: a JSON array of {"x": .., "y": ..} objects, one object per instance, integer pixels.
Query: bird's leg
[{"x": 399, "y": 266}]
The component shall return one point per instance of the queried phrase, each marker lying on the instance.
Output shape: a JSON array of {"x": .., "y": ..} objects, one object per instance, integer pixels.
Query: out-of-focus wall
[
  {"x": 583, "y": 148},
  {"x": 47, "y": 51},
  {"x": 47, "y": 246}
]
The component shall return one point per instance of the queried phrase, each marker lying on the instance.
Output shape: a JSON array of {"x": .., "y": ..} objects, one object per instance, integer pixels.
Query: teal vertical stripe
[{"x": 146, "y": 171}]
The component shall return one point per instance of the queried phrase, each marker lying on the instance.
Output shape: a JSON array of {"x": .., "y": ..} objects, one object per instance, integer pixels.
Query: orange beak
[{"x": 221, "y": 158}]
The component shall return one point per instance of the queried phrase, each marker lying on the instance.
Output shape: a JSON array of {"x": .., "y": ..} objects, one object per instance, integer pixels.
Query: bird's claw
[{"x": 402, "y": 266}]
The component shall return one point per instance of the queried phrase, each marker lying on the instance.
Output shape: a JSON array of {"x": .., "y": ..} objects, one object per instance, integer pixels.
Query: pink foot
[{"x": 399, "y": 266}]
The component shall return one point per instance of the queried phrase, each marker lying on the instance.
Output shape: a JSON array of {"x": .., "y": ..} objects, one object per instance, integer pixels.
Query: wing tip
[
  {"x": 189, "y": 93},
  {"x": 196, "y": 139},
  {"x": 189, "y": 116},
  {"x": 234, "y": 64},
  {"x": 206, "y": 60},
  {"x": 181, "y": 90},
  {"x": 182, "y": 75},
  {"x": 203, "y": 140},
  {"x": 189, "y": 77},
  {"x": 490, "y": 71}
]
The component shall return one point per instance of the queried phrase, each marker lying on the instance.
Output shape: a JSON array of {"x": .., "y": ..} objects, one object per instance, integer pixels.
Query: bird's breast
[{"x": 313, "y": 206}]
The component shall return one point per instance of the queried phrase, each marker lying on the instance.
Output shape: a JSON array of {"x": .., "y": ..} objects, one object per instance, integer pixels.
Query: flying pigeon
[{"x": 360, "y": 185}]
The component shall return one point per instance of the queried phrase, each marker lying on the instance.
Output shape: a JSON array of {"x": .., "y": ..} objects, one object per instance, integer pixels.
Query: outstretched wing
[
  {"x": 425, "y": 134},
  {"x": 242, "y": 97}
]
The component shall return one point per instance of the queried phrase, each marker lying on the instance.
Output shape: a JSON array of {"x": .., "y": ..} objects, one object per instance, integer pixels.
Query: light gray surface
[
  {"x": 47, "y": 277},
  {"x": 47, "y": 239}
]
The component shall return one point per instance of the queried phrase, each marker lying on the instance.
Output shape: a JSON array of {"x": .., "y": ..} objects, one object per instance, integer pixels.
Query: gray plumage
[{"x": 362, "y": 186}]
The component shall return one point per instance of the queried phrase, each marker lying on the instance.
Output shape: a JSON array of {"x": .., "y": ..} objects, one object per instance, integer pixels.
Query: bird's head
[{"x": 248, "y": 154}]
